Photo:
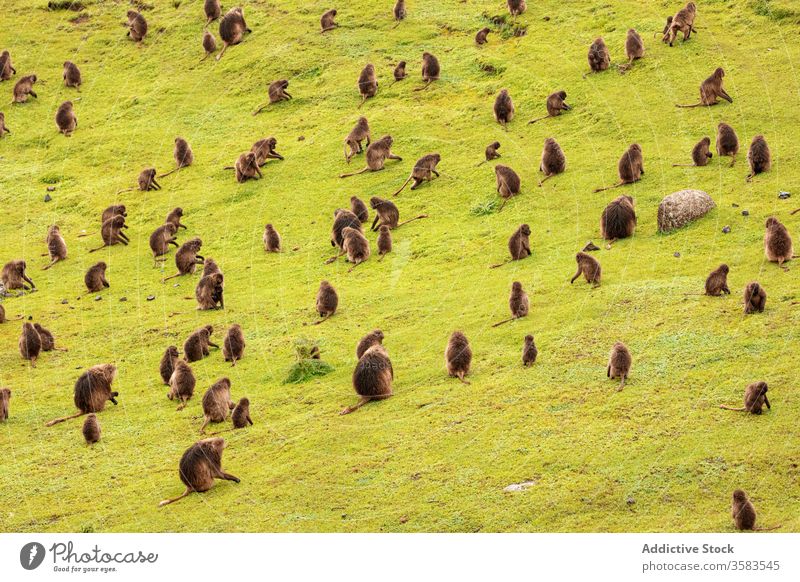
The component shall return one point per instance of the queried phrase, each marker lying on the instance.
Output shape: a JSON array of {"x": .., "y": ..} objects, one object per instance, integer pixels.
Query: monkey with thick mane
[
  {"x": 372, "y": 377},
  {"x": 199, "y": 466},
  {"x": 618, "y": 219},
  {"x": 92, "y": 391},
  {"x": 711, "y": 91},
  {"x": 458, "y": 356},
  {"x": 683, "y": 22},
  {"x": 232, "y": 29}
]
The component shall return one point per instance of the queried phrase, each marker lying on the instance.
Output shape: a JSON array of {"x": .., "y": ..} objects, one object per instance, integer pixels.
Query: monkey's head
[
  {"x": 250, "y": 158},
  {"x": 28, "y": 327},
  {"x": 426, "y": 55},
  {"x": 244, "y": 402},
  {"x": 739, "y": 496},
  {"x": 627, "y": 199},
  {"x": 458, "y": 337},
  {"x": 562, "y": 95},
  {"x": 772, "y": 222},
  {"x": 636, "y": 149},
  {"x": 333, "y": 12},
  {"x": 210, "y": 266},
  {"x": 348, "y": 231},
  {"x": 370, "y": 68},
  {"x": 207, "y": 330},
  {"x": 691, "y": 6},
  {"x": 402, "y": 64},
  {"x": 178, "y": 211},
  {"x": 53, "y": 230},
  {"x": 619, "y": 346},
  {"x": 759, "y": 139},
  {"x": 4, "y": 55},
  {"x": 236, "y": 327},
  {"x": 525, "y": 229},
  {"x": 68, "y": 64},
  {"x": 580, "y": 256},
  {"x": 118, "y": 220},
  {"x": 180, "y": 140},
  {"x": 67, "y": 105},
  {"x": 516, "y": 287},
  {"x": 216, "y": 443},
  {"x": 374, "y": 202},
  {"x": 755, "y": 288},
  {"x": 719, "y": 73},
  {"x": 387, "y": 141},
  {"x": 723, "y": 268},
  {"x": 107, "y": 371},
  {"x": 384, "y": 229},
  {"x": 38, "y": 327},
  {"x": 378, "y": 335},
  {"x": 706, "y": 140},
  {"x": 324, "y": 285},
  {"x": 631, "y": 31},
  {"x": 224, "y": 383},
  {"x": 761, "y": 387},
  {"x": 172, "y": 351},
  {"x": 528, "y": 339},
  {"x": 101, "y": 266},
  {"x": 599, "y": 42},
  {"x": 20, "y": 267},
  {"x": 283, "y": 83},
  {"x": 132, "y": 14},
  {"x": 271, "y": 142},
  {"x": 121, "y": 210},
  {"x": 6, "y": 393},
  {"x": 550, "y": 143},
  {"x": 504, "y": 93},
  {"x": 495, "y": 145},
  {"x": 362, "y": 121}
]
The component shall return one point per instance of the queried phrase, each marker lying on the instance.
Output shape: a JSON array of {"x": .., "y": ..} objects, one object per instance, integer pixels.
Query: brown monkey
[
  {"x": 717, "y": 281},
  {"x": 711, "y": 90},
  {"x": 327, "y": 21},
  {"x": 160, "y": 240},
  {"x": 519, "y": 245},
  {"x": 233, "y": 345},
  {"x": 91, "y": 429},
  {"x": 516, "y": 7},
  {"x": 555, "y": 105},
  {"x": 14, "y": 276},
  {"x": 430, "y": 70},
  {"x": 167, "y": 366},
  {"x": 217, "y": 403},
  {"x": 195, "y": 348},
  {"x": 47, "y": 338},
  {"x": 241, "y": 414},
  {"x": 727, "y": 142},
  {"x": 358, "y": 208},
  {"x": 3, "y": 318},
  {"x": 353, "y": 140},
  {"x": 373, "y": 338},
  {"x": 187, "y": 258},
  {"x": 95, "y": 278},
  {"x": 212, "y": 9},
  {"x": 529, "y": 352},
  {"x": 209, "y": 44},
  {"x": 744, "y": 513},
  {"x": 3, "y": 127},
  {"x": 480, "y": 38},
  {"x": 232, "y": 29},
  {"x": 137, "y": 26},
  {"x": 384, "y": 241},
  {"x": 272, "y": 240},
  {"x": 209, "y": 292},
  {"x": 508, "y": 183},
  {"x": 399, "y": 72},
  {"x": 683, "y": 22},
  {"x": 630, "y": 167},
  {"x": 23, "y": 88},
  {"x": 92, "y": 391},
  {"x": 517, "y": 302},
  {"x": 399, "y": 10},
  {"x": 184, "y": 157},
  {"x": 5, "y": 397},
  {"x": 553, "y": 160},
  {"x": 247, "y": 168},
  {"x": 634, "y": 47},
  {"x": 755, "y": 298},
  {"x": 458, "y": 356},
  {"x": 327, "y": 301},
  {"x": 146, "y": 181},
  {"x": 599, "y": 59},
  {"x": 277, "y": 93},
  {"x": 758, "y": 157},
  {"x": 491, "y": 153},
  {"x": 174, "y": 218},
  {"x": 372, "y": 377},
  {"x": 342, "y": 219},
  {"x": 210, "y": 266},
  {"x": 181, "y": 383},
  {"x": 6, "y": 68},
  {"x": 367, "y": 83},
  {"x": 355, "y": 246},
  {"x": 66, "y": 120},
  {"x": 199, "y": 466},
  {"x": 701, "y": 153},
  {"x": 619, "y": 364},
  {"x": 72, "y": 75},
  {"x": 777, "y": 242},
  {"x": 590, "y": 268},
  {"x": 423, "y": 170},
  {"x": 386, "y": 213},
  {"x": 30, "y": 343},
  {"x": 755, "y": 397},
  {"x": 377, "y": 153},
  {"x": 503, "y": 108},
  {"x": 666, "y": 27},
  {"x": 264, "y": 149},
  {"x": 618, "y": 219},
  {"x": 56, "y": 246},
  {"x": 114, "y": 210}
]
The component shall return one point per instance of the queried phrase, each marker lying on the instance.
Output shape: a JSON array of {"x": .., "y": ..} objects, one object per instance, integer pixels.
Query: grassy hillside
[{"x": 658, "y": 456}]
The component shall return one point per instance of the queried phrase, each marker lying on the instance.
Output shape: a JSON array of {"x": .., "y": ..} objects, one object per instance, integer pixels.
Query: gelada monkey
[
  {"x": 95, "y": 278},
  {"x": 5, "y": 397},
  {"x": 430, "y": 70},
  {"x": 683, "y": 22},
  {"x": 618, "y": 220},
  {"x": 517, "y": 302},
  {"x": 91, "y": 429},
  {"x": 353, "y": 140},
  {"x": 755, "y": 397},
  {"x": 375, "y": 337},
  {"x": 247, "y": 168},
  {"x": 232, "y": 29},
  {"x": 66, "y": 120},
  {"x": 217, "y": 403},
  {"x": 341, "y": 219},
  {"x": 30, "y": 343},
  {"x": 516, "y": 7},
  {"x": 553, "y": 161},
  {"x": 755, "y": 298},
  {"x": 717, "y": 282},
  {"x": 619, "y": 364},
  {"x": 184, "y": 157},
  {"x": 181, "y": 383},
  {"x": 233, "y": 345},
  {"x": 199, "y": 466},
  {"x": 744, "y": 513},
  {"x": 384, "y": 241},
  {"x": 7, "y": 70},
  {"x": 174, "y": 217},
  {"x": 701, "y": 154},
  {"x": 47, "y": 338},
  {"x": 23, "y": 89},
  {"x": 271, "y": 239},
  {"x": 399, "y": 11},
  {"x": 326, "y": 22},
  {"x": 3, "y": 127},
  {"x": 758, "y": 157},
  {"x": 399, "y": 72},
  {"x": 14, "y": 277},
  {"x": 209, "y": 292},
  {"x": 367, "y": 83},
  {"x": 196, "y": 346},
  {"x": 481, "y": 37},
  {"x": 491, "y": 152},
  {"x": 387, "y": 214},
  {"x": 519, "y": 245},
  {"x": 777, "y": 242},
  {"x": 503, "y": 108},
  {"x": 634, "y": 49},
  {"x": 590, "y": 268},
  {"x": 529, "y": 352},
  {"x": 187, "y": 258},
  {"x": 727, "y": 142},
  {"x": 377, "y": 153},
  {"x": 167, "y": 364},
  {"x": 355, "y": 246},
  {"x": 160, "y": 241},
  {"x": 241, "y": 414},
  {"x": 423, "y": 170},
  {"x": 146, "y": 181},
  {"x": 56, "y": 246},
  {"x": 137, "y": 26},
  {"x": 264, "y": 149},
  {"x": 327, "y": 301},
  {"x": 277, "y": 92},
  {"x": 72, "y": 75},
  {"x": 630, "y": 167},
  {"x": 92, "y": 391},
  {"x": 555, "y": 105},
  {"x": 599, "y": 59},
  {"x": 111, "y": 232},
  {"x": 458, "y": 356},
  {"x": 209, "y": 45},
  {"x": 213, "y": 11},
  {"x": 358, "y": 208},
  {"x": 372, "y": 377},
  {"x": 711, "y": 91},
  {"x": 508, "y": 183}
]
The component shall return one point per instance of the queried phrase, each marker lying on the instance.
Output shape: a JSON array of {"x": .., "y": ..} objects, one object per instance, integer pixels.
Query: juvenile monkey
[
  {"x": 777, "y": 242},
  {"x": 264, "y": 149},
  {"x": 181, "y": 383},
  {"x": 399, "y": 10},
  {"x": 66, "y": 120},
  {"x": 683, "y": 22},
  {"x": 619, "y": 364},
  {"x": 377, "y": 153},
  {"x": 553, "y": 160},
  {"x": 384, "y": 241},
  {"x": 555, "y": 105},
  {"x": 423, "y": 170},
  {"x": 247, "y": 168},
  {"x": 458, "y": 356},
  {"x": 618, "y": 219},
  {"x": 30, "y": 343},
  {"x": 71, "y": 75},
  {"x": 355, "y": 246},
  {"x": 232, "y": 29},
  {"x": 717, "y": 281},
  {"x": 599, "y": 59},
  {"x": 630, "y": 167},
  {"x": 517, "y": 302},
  {"x": 367, "y": 83},
  {"x": 47, "y": 339},
  {"x": 187, "y": 258},
  {"x": 56, "y": 246},
  {"x": 711, "y": 90},
  {"x": 95, "y": 278},
  {"x": 358, "y": 208},
  {"x": 271, "y": 239},
  {"x": 491, "y": 153},
  {"x": 372, "y": 377},
  {"x": 755, "y": 298},
  {"x": 529, "y": 352},
  {"x": 758, "y": 157},
  {"x": 233, "y": 345},
  {"x": 3, "y": 127},
  {"x": 326, "y": 22},
  {"x": 217, "y": 403},
  {"x": 503, "y": 108},
  {"x": 160, "y": 240},
  {"x": 209, "y": 292},
  {"x": 5, "y": 397},
  {"x": 744, "y": 513},
  {"x": 353, "y": 140},
  {"x": 210, "y": 266},
  {"x": 480, "y": 38},
  {"x": 277, "y": 93},
  {"x": 430, "y": 70},
  {"x": 174, "y": 217},
  {"x": 6, "y": 68},
  {"x": 209, "y": 44},
  {"x": 167, "y": 365},
  {"x": 634, "y": 47},
  {"x": 137, "y": 26},
  {"x": 92, "y": 391},
  {"x": 342, "y": 219},
  {"x": 727, "y": 142},
  {"x": 508, "y": 183},
  {"x": 114, "y": 210},
  {"x": 212, "y": 9},
  {"x": 14, "y": 276},
  {"x": 399, "y": 72},
  {"x": 195, "y": 348},
  {"x": 23, "y": 89},
  {"x": 387, "y": 214},
  {"x": 701, "y": 154},
  {"x": 91, "y": 429},
  {"x": 184, "y": 157},
  {"x": 327, "y": 301},
  {"x": 241, "y": 414},
  {"x": 375, "y": 337},
  {"x": 590, "y": 268},
  {"x": 146, "y": 181},
  {"x": 519, "y": 245},
  {"x": 755, "y": 397},
  {"x": 199, "y": 466}
]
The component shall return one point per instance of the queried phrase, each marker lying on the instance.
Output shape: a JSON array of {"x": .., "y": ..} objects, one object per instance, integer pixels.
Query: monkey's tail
[
  {"x": 538, "y": 119},
  {"x": 222, "y": 52},
  {"x": 363, "y": 100},
  {"x": 608, "y": 187},
  {"x": 621, "y": 384},
  {"x": 412, "y": 220},
  {"x": 499, "y": 264},
  {"x": 688, "y": 106},
  {"x": 793, "y": 212},
  {"x": 428, "y": 84},
  {"x": 684, "y": 165},
  {"x": 404, "y": 185},
  {"x": 461, "y": 377},
  {"x": 499, "y": 323},
  {"x": 724, "y": 407},
  {"x": 366, "y": 168},
  {"x": 346, "y": 158},
  {"x": 484, "y": 161},
  {"x": 165, "y": 279},
  {"x": 229, "y": 168},
  {"x": 174, "y": 499},
  {"x": 97, "y": 249},
  {"x": 62, "y": 419},
  {"x": 326, "y": 318},
  {"x": 545, "y": 179},
  {"x": 170, "y": 172},
  {"x": 125, "y": 190},
  {"x": 53, "y": 262},
  {"x": 260, "y": 109},
  {"x": 766, "y": 528}
]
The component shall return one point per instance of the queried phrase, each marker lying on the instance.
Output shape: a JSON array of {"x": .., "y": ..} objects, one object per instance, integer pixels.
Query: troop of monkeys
[{"x": 373, "y": 375}]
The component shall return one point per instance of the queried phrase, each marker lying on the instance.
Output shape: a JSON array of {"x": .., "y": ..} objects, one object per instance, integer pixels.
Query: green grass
[{"x": 436, "y": 456}]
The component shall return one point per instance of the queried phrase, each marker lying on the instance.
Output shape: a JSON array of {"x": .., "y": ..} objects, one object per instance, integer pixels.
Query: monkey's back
[
  {"x": 327, "y": 301},
  {"x": 91, "y": 429},
  {"x": 343, "y": 219},
  {"x": 519, "y": 304},
  {"x": 167, "y": 366},
  {"x": 620, "y": 361},
  {"x": 56, "y": 247},
  {"x": 744, "y": 516},
  {"x": 754, "y": 397},
  {"x": 759, "y": 156},
  {"x": 618, "y": 220},
  {"x": 65, "y": 118},
  {"x": 182, "y": 381},
  {"x": 553, "y": 160},
  {"x": 634, "y": 47},
  {"x": 91, "y": 392},
  {"x": 630, "y": 166},
  {"x": 240, "y": 416},
  {"x": 233, "y": 345},
  {"x": 727, "y": 140},
  {"x": 458, "y": 355},
  {"x": 232, "y": 27},
  {"x": 30, "y": 343},
  {"x": 196, "y": 467},
  {"x": 503, "y": 108},
  {"x": 373, "y": 375},
  {"x": 778, "y": 243},
  {"x": 215, "y": 403}
]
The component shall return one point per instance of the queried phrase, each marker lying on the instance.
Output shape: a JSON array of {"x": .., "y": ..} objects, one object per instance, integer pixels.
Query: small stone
[
  {"x": 404, "y": 519},
  {"x": 726, "y": 229},
  {"x": 98, "y": 298},
  {"x": 519, "y": 486},
  {"x": 151, "y": 297},
  {"x": 64, "y": 301},
  {"x": 735, "y": 205},
  {"x": 123, "y": 299},
  {"x": 47, "y": 198},
  {"x": 590, "y": 246},
  {"x": 301, "y": 138},
  {"x": 176, "y": 285},
  {"x": 51, "y": 188},
  {"x": 546, "y": 19},
  {"x": 745, "y": 213},
  {"x": 784, "y": 195},
  {"x": 630, "y": 501},
  {"x": 676, "y": 254},
  {"x": 30, "y": 318}
]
